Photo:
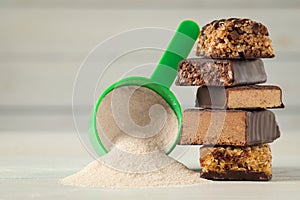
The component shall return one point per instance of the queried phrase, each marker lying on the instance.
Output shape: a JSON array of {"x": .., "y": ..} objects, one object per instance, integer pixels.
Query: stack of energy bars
[{"x": 231, "y": 119}]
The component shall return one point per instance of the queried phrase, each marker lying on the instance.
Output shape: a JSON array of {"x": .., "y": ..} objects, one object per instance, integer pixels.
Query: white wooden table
[{"x": 31, "y": 165}]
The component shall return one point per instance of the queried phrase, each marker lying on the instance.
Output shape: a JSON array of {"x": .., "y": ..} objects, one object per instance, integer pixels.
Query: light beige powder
[
  {"x": 136, "y": 112},
  {"x": 97, "y": 174},
  {"x": 120, "y": 169},
  {"x": 139, "y": 127}
]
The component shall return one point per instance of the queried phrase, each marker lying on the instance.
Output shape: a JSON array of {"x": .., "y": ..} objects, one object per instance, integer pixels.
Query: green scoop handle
[
  {"x": 160, "y": 81},
  {"x": 177, "y": 50}
]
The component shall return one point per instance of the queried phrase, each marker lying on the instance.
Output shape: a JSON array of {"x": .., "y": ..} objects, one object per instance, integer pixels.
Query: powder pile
[
  {"x": 134, "y": 160},
  {"x": 168, "y": 172}
]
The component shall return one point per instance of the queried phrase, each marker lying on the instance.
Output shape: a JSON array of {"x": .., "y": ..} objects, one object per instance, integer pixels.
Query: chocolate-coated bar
[
  {"x": 228, "y": 127},
  {"x": 235, "y": 38},
  {"x": 240, "y": 97},
  {"x": 252, "y": 163},
  {"x": 202, "y": 71}
]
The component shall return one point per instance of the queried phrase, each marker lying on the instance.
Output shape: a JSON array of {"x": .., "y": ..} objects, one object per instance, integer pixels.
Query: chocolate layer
[
  {"x": 203, "y": 71},
  {"x": 228, "y": 127},
  {"x": 236, "y": 176},
  {"x": 241, "y": 97},
  {"x": 236, "y": 163},
  {"x": 234, "y": 38}
]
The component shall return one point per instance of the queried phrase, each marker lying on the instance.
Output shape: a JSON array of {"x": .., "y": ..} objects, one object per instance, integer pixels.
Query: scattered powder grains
[{"x": 134, "y": 161}]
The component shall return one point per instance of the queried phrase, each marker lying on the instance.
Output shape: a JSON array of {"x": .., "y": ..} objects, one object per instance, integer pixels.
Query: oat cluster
[
  {"x": 250, "y": 158},
  {"x": 234, "y": 38}
]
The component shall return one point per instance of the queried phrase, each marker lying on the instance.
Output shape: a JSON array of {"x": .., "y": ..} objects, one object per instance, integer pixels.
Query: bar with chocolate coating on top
[
  {"x": 209, "y": 72},
  {"x": 228, "y": 127},
  {"x": 240, "y": 97}
]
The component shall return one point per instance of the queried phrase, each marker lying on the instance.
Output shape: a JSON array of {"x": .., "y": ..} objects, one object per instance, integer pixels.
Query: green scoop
[{"x": 160, "y": 81}]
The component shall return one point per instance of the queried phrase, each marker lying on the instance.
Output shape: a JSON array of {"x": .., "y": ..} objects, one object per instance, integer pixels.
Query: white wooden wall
[{"x": 42, "y": 44}]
